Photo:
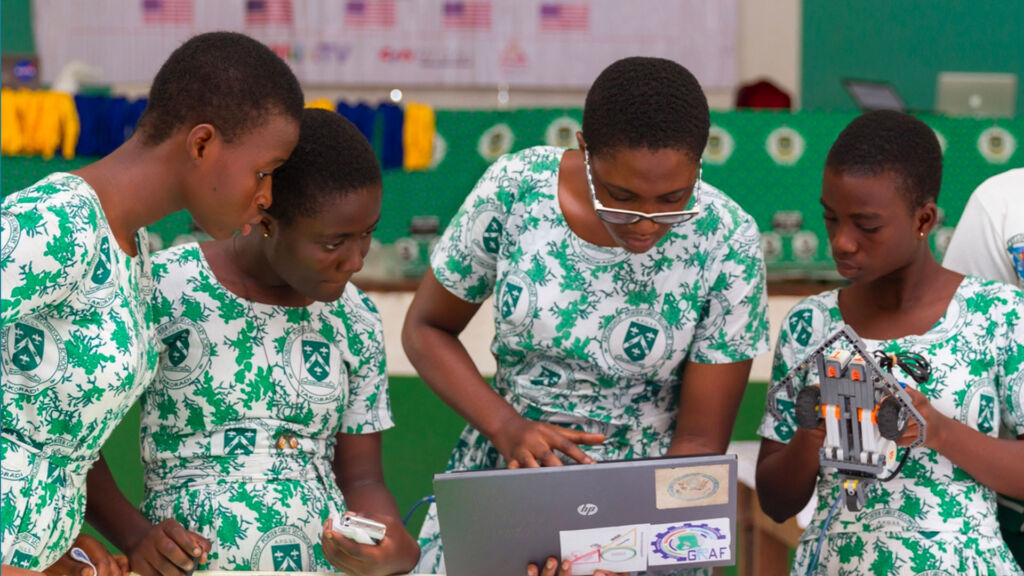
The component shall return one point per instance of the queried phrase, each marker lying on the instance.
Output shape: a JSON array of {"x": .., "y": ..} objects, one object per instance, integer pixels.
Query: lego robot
[{"x": 864, "y": 408}]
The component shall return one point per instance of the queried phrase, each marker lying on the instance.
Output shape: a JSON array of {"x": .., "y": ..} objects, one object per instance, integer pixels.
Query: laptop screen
[{"x": 869, "y": 95}]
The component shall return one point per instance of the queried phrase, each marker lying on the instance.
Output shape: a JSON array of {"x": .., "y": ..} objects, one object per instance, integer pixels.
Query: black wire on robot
[{"x": 864, "y": 409}]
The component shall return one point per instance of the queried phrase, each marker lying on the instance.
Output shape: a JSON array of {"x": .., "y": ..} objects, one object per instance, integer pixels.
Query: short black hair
[
  {"x": 332, "y": 159},
  {"x": 888, "y": 141},
  {"x": 225, "y": 79},
  {"x": 646, "y": 103}
]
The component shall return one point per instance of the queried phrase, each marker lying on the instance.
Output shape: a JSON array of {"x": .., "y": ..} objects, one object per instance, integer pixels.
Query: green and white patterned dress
[
  {"x": 77, "y": 351},
  {"x": 238, "y": 430},
  {"x": 592, "y": 337},
  {"x": 933, "y": 518}
]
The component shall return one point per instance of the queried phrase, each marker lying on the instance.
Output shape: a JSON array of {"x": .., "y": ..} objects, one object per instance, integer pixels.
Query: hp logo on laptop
[{"x": 587, "y": 509}]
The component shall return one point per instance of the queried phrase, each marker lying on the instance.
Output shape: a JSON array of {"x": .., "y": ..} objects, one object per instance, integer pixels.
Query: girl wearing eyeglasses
[{"x": 628, "y": 295}]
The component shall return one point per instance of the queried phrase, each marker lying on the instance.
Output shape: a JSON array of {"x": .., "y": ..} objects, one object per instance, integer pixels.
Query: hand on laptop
[
  {"x": 552, "y": 568},
  {"x": 528, "y": 444}
]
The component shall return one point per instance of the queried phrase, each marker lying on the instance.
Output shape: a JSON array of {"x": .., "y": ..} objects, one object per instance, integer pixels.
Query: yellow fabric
[
  {"x": 11, "y": 134},
  {"x": 322, "y": 103},
  {"x": 418, "y": 136},
  {"x": 39, "y": 122}
]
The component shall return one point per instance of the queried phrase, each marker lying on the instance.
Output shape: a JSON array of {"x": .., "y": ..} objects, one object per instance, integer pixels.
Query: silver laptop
[
  {"x": 656, "y": 514},
  {"x": 980, "y": 94}
]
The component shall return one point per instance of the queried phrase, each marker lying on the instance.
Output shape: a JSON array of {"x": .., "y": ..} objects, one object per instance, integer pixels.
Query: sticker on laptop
[
  {"x": 615, "y": 548},
  {"x": 691, "y": 486},
  {"x": 689, "y": 542}
]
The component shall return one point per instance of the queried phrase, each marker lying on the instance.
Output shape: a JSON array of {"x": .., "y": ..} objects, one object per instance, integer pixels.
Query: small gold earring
[
  {"x": 266, "y": 234},
  {"x": 921, "y": 234}
]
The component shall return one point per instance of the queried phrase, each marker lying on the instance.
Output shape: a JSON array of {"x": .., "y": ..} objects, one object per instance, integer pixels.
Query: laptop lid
[
  {"x": 980, "y": 94},
  {"x": 656, "y": 514},
  {"x": 874, "y": 95}
]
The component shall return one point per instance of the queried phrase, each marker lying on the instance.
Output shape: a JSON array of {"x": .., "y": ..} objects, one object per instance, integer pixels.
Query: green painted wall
[
  {"x": 906, "y": 42},
  {"x": 16, "y": 27}
]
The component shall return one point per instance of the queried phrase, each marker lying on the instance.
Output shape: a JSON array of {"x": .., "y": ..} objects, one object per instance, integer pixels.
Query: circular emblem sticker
[
  {"x": 562, "y": 132},
  {"x": 516, "y": 302},
  {"x": 495, "y": 141},
  {"x": 315, "y": 365},
  {"x": 187, "y": 352},
  {"x": 637, "y": 342},
  {"x": 720, "y": 146},
  {"x": 283, "y": 549},
  {"x": 11, "y": 234},
  {"x": 34, "y": 356},
  {"x": 785, "y": 146},
  {"x": 693, "y": 487},
  {"x": 997, "y": 145}
]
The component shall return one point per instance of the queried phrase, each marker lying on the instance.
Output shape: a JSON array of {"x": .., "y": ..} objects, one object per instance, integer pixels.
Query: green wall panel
[{"x": 906, "y": 43}]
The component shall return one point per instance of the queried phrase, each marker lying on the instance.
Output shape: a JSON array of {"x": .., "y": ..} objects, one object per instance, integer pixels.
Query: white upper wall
[{"x": 769, "y": 47}]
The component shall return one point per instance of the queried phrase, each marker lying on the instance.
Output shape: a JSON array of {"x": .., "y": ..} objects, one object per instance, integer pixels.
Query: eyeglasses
[{"x": 617, "y": 216}]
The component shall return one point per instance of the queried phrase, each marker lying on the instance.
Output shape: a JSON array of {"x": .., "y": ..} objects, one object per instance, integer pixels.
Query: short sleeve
[
  {"x": 734, "y": 324},
  {"x": 49, "y": 244},
  {"x": 465, "y": 258},
  {"x": 772, "y": 428},
  {"x": 977, "y": 246},
  {"x": 1011, "y": 368},
  {"x": 368, "y": 407}
]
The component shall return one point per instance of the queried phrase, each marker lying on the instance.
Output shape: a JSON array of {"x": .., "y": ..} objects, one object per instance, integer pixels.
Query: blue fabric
[{"x": 392, "y": 150}]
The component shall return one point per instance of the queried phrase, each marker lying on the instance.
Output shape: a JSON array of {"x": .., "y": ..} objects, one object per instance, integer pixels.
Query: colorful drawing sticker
[
  {"x": 615, "y": 548},
  {"x": 701, "y": 541}
]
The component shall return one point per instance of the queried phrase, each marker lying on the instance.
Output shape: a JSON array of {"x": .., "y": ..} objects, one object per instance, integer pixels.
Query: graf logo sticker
[
  {"x": 785, "y": 146},
  {"x": 688, "y": 542},
  {"x": 637, "y": 342},
  {"x": 485, "y": 232},
  {"x": 186, "y": 352},
  {"x": 283, "y": 549},
  {"x": 495, "y": 141},
  {"x": 315, "y": 364},
  {"x": 997, "y": 145},
  {"x": 720, "y": 146},
  {"x": 33, "y": 355},
  {"x": 562, "y": 132},
  {"x": 516, "y": 302},
  {"x": 10, "y": 230}
]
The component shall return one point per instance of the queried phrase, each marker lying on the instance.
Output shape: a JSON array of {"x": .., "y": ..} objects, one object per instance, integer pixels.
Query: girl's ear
[
  {"x": 199, "y": 140},
  {"x": 926, "y": 219}
]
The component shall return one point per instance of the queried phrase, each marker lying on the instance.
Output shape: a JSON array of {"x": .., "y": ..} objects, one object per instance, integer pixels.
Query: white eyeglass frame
[{"x": 632, "y": 216}]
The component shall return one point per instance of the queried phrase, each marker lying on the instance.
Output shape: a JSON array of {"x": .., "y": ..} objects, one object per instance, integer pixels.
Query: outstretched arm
[
  {"x": 166, "y": 549},
  {"x": 430, "y": 338}
]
